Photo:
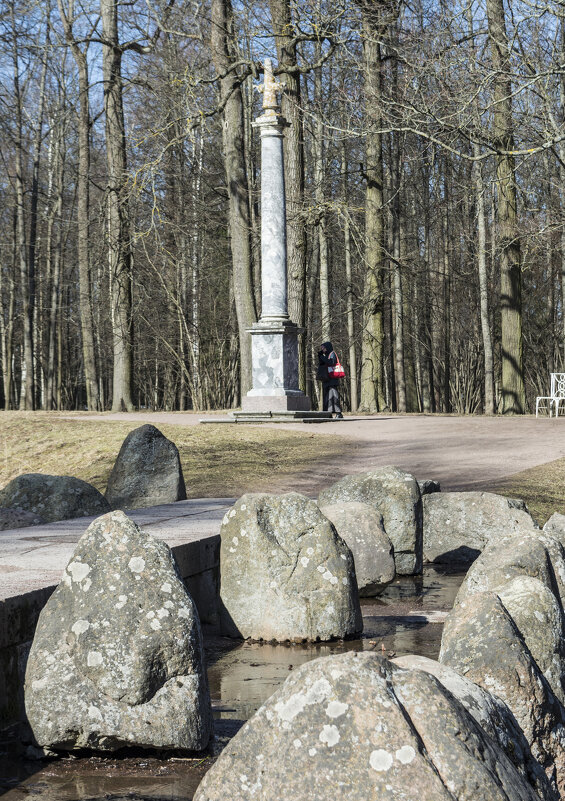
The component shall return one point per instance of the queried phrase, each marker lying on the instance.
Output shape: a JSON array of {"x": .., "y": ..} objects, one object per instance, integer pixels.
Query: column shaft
[{"x": 274, "y": 295}]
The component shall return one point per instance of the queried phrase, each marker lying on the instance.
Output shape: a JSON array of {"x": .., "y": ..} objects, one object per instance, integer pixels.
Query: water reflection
[
  {"x": 406, "y": 619},
  {"x": 112, "y": 779}
]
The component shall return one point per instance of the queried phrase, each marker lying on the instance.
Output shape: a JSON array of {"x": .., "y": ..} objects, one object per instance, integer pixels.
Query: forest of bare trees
[{"x": 425, "y": 177}]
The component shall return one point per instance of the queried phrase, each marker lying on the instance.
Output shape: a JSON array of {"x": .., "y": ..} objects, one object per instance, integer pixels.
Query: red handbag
[{"x": 337, "y": 371}]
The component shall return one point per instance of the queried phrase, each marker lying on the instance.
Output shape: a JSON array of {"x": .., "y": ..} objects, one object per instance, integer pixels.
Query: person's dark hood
[{"x": 328, "y": 346}]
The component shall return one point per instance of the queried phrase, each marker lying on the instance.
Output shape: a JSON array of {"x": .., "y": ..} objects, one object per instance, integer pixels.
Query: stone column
[
  {"x": 274, "y": 336},
  {"x": 274, "y": 301}
]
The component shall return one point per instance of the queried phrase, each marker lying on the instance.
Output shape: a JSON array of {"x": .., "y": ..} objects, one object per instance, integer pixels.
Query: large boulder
[
  {"x": 458, "y": 525},
  {"x": 539, "y": 617},
  {"x": 117, "y": 655},
  {"x": 285, "y": 573},
  {"x": 147, "y": 471},
  {"x": 18, "y": 518},
  {"x": 525, "y": 553},
  {"x": 492, "y": 715},
  {"x": 482, "y": 642},
  {"x": 356, "y": 726},
  {"x": 53, "y": 498},
  {"x": 396, "y": 495},
  {"x": 361, "y": 527},
  {"x": 555, "y": 527}
]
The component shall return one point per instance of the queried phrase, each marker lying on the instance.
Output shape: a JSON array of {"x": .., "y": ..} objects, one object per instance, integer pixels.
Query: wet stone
[
  {"x": 356, "y": 726},
  {"x": 458, "y": 525},
  {"x": 492, "y": 715},
  {"x": 524, "y": 553},
  {"x": 285, "y": 574},
  {"x": 482, "y": 642},
  {"x": 117, "y": 656}
]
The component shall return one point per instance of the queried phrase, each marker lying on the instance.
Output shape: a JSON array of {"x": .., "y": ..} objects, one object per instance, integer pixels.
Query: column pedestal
[{"x": 275, "y": 369}]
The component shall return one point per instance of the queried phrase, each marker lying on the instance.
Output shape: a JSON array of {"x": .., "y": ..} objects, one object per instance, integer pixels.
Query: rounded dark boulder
[
  {"x": 53, "y": 498},
  {"x": 147, "y": 471}
]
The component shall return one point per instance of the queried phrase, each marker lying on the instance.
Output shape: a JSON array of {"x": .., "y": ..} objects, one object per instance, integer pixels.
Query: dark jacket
[{"x": 325, "y": 360}]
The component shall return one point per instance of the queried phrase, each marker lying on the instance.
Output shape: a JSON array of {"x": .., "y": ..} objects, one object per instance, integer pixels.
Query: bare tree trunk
[
  {"x": 512, "y": 388},
  {"x": 195, "y": 274},
  {"x": 117, "y": 210},
  {"x": 223, "y": 44},
  {"x": 31, "y": 386},
  {"x": 562, "y": 191},
  {"x": 321, "y": 202},
  {"x": 424, "y": 303},
  {"x": 446, "y": 294},
  {"x": 372, "y": 388},
  {"x": 53, "y": 253},
  {"x": 480, "y": 189},
  {"x": 26, "y": 282},
  {"x": 83, "y": 244},
  {"x": 6, "y": 336},
  {"x": 294, "y": 172},
  {"x": 314, "y": 386},
  {"x": 349, "y": 285},
  {"x": 398, "y": 306},
  {"x": 483, "y": 283}
]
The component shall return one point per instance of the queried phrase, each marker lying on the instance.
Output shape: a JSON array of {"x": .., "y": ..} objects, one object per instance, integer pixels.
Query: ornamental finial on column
[{"x": 269, "y": 88}]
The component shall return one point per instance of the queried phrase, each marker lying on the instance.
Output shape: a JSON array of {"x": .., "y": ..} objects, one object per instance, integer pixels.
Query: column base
[
  {"x": 280, "y": 417},
  {"x": 295, "y": 402}
]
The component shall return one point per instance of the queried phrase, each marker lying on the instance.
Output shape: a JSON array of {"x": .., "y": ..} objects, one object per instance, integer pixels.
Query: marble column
[{"x": 274, "y": 336}]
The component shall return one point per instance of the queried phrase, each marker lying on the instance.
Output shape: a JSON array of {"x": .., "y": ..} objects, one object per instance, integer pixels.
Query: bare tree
[
  {"x": 512, "y": 386},
  {"x": 223, "y": 46},
  {"x": 83, "y": 205}
]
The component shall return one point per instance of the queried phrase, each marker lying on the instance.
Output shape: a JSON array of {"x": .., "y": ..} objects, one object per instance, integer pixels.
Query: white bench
[{"x": 557, "y": 394}]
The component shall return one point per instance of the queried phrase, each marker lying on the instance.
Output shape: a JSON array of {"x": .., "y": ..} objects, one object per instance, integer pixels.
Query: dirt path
[{"x": 460, "y": 452}]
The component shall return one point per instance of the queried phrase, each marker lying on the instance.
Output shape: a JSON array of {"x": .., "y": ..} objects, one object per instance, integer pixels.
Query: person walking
[{"x": 327, "y": 360}]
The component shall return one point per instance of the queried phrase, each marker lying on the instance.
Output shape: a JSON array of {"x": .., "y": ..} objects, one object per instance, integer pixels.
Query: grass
[
  {"x": 542, "y": 487},
  {"x": 217, "y": 460}
]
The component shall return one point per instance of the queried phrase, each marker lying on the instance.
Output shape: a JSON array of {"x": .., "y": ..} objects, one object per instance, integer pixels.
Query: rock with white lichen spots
[
  {"x": 555, "y": 527},
  {"x": 285, "y": 573},
  {"x": 117, "y": 656},
  {"x": 458, "y": 525},
  {"x": 357, "y": 727},
  {"x": 482, "y": 642},
  {"x": 147, "y": 471},
  {"x": 53, "y": 498},
  {"x": 492, "y": 715},
  {"x": 394, "y": 494},
  {"x": 524, "y": 553},
  {"x": 538, "y": 616},
  {"x": 362, "y": 529}
]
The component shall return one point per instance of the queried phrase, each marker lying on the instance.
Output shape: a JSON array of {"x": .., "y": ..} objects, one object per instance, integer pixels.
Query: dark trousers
[{"x": 331, "y": 400}]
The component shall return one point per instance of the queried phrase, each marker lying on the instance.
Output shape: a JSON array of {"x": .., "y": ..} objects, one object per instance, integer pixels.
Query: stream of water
[{"x": 406, "y": 619}]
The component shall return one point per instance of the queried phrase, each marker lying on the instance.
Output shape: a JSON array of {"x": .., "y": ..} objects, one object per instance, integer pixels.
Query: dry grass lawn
[
  {"x": 541, "y": 487},
  {"x": 217, "y": 461}
]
